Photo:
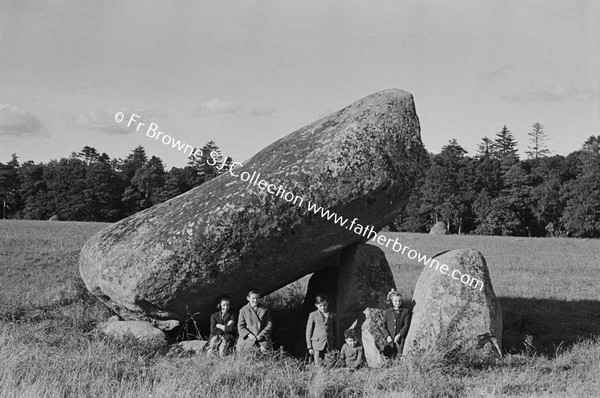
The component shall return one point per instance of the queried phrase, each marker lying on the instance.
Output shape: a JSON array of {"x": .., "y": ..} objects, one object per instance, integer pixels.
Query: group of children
[{"x": 254, "y": 327}]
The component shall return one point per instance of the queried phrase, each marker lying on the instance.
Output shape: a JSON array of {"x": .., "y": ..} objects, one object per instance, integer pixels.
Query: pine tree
[
  {"x": 592, "y": 144},
  {"x": 444, "y": 190},
  {"x": 89, "y": 155},
  {"x": 505, "y": 144},
  {"x": 485, "y": 149},
  {"x": 210, "y": 165},
  {"x": 537, "y": 137},
  {"x": 9, "y": 187}
]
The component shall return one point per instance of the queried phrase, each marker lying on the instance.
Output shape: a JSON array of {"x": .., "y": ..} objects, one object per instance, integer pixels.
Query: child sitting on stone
[
  {"x": 351, "y": 354},
  {"x": 254, "y": 324},
  {"x": 222, "y": 328}
]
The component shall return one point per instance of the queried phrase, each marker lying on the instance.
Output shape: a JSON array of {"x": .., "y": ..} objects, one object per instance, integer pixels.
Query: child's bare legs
[
  {"x": 319, "y": 355},
  {"x": 213, "y": 343},
  {"x": 223, "y": 345}
]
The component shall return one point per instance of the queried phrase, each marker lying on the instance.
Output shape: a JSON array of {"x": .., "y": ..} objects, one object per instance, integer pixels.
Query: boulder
[
  {"x": 364, "y": 280},
  {"x": 138, "y": 329},
  {"x": 197, "y": 346},
  {"x": 373, "y": 338},
  {"x": 438, "y": 229},
  {"x": 450, "y": 316},
  {"x": 359, "y": 277},
  {"x": 252, "y": 226}
]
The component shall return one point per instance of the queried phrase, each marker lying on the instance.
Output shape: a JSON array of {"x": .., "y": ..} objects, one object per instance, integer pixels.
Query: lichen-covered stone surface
[
  {"x": 227, "y": 235},
  {"x": 364, "y": 280},
  {"x": 451, "y": 317},
  {"x": 373, "y": 338}
]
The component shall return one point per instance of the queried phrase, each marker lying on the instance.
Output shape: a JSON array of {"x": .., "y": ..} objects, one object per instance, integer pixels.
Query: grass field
[{"x": 548, "y": 290}]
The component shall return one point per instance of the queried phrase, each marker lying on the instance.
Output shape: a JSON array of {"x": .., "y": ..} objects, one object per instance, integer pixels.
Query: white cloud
[
  {"x": 18, "y": 122},
  {"x": 103, "y": 120},
  {"x": 266, "y": 111},
  {"x": 215, "y": 106},
  {"x": 496, "y": 74},
  {"x": 554, "y": 94}
]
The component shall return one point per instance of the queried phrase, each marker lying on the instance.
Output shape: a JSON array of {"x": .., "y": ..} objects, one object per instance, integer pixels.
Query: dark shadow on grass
[{"x": 542, "y": 325}]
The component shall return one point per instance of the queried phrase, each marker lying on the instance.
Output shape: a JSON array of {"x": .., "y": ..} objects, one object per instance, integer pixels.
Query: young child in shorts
[{"x": 320, "y": 329}]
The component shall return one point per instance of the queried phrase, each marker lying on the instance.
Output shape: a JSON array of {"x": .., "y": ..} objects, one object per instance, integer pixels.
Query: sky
[{"x": 246, "y": 73}]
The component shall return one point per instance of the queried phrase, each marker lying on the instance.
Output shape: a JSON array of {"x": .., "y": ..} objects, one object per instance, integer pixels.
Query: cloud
[
  {"x": 496, "y": 74},
  {"x": 18, "y": 122},
  {"x": 103, "y": 120},
  {"x": 153, "y": 113},
  {"x": 263, "y": 111},
  {"x": 215, "y": 106},
  {"x": 554, "y": 94}
]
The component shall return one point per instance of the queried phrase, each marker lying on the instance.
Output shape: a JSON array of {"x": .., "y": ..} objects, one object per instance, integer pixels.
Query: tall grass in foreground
[
  {"x": 49, "y": 346},
  {"x": 59, "y": 354}
]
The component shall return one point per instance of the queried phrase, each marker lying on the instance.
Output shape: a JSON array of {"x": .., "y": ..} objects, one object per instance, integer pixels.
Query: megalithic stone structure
[
  {"x": 234, "y": 232},
  {"x": 452, "y": 317}
]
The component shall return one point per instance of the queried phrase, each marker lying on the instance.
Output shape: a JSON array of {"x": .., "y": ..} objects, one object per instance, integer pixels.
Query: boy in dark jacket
[
  {"x": 222, "y": 328},
  {"x": 320, "y": 329}
]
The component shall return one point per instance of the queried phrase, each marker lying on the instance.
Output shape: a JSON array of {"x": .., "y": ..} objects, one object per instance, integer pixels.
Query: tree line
[
  {"x": 491, "y": 193},
  {"x": 89, "y": 186},
  {"x": 496, "y": 193}
]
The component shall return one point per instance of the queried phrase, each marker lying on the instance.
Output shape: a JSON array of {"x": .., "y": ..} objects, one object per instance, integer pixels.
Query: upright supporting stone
[
  {"x": 373, "y": 339},
  {"x": 364, "y": 280},
  {"x": 454, "y": 313},
  {"x": 361, "y": 278}
]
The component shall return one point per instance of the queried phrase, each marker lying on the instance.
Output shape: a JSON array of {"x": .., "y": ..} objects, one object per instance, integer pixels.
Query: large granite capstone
[{"x": 227, "y": 235}]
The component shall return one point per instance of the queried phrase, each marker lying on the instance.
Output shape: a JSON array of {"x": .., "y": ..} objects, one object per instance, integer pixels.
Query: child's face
[
  {"x": 253, "y": 299},
  {"x": 396, "y": 301},
  {"x": 225, "y": 306},
  {"x": 322, "y": 306},
  {"x": 351, "y": 341}
]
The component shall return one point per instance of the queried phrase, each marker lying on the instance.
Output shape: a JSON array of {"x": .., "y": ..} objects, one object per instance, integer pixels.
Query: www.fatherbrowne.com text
[{"x": 280, "y": 191}]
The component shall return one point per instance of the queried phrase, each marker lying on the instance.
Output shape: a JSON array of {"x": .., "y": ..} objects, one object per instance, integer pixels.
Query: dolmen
[{"x": 267, "y": 222}]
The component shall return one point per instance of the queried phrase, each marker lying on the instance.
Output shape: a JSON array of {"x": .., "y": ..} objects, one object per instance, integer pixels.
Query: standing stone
[
  {"x": 373, "y": 338},
  {"x": 359, "y": 278},
  {"x": 438, "y": 229},
  {"x": 364, "y": 280},
  {"x": 450, "y": 316},
  {"x": 251, "y": 226}
]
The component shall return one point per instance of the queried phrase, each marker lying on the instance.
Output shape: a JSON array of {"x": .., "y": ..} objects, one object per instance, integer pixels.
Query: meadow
[{"x": 548, "y": 289}]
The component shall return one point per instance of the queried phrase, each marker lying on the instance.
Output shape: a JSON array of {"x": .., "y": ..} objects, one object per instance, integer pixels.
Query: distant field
[
  {"x": 548, "y": 290},
  {"x": 548, "y": 287}
]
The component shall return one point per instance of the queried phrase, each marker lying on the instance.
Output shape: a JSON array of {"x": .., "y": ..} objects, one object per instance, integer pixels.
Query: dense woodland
[{"x": 491, "y": 193}]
